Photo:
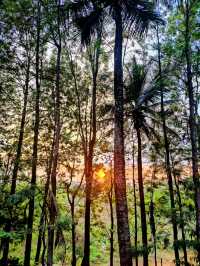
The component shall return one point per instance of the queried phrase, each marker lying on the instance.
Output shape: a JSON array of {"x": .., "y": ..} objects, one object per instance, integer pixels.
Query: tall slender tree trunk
[
  {"x": 142, "y": 202},
  {"x": 181, "y": 217},
  {"x": 167, "y": 161},
  {"x": 110, "y": 199},
  {"x": 152, "y": 218},
  {"x": 153, "y": 228},
  {"x": 28, "y": 243},
  {"x": 192, "y": 121},
  {"x": 153, "y": 231},
  {"x": 40, "y": 235},
  {"x": 43, "y": 260},
  {"x": 88, "y": 176},
  {"x": 89, "y": 157},
  {"x": 119, "y": 160},
  {"x": 52, "y": 210},
  {"x": 71, "y": 201},
  {"x": 16, "y": 164},
  {"x": 44, "y": 206},
  {"x": 111, "y": 232},
  {"x": 197, "y": 101},
  {"x": 135, "y": 206},
  {"x": 73, "y": 231}
]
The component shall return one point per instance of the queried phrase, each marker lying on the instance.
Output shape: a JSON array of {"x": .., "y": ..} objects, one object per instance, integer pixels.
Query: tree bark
[
  {"x": 119, "y": 160},
  {"x": 35, "y": 145},
  {"x": 43, "y": 261},
  {"x": 181, "y": 217},
  {"x": 44, "y": 206},
  {"x": 89, "y": 173},
  {"x": 167, "y": 161},
  {"x": 142, "y": 202},
  {"x": 16, "y": 163},
  {"x": 40, "y": 234},
  {"x": 73, "y": 234},
  {"x": 110, "y": 199},
  {"x": 111, "y": 232},
  {"x": 153, "y": 228},
  {"x": 192, "y": 121},
  {"x": 52, "y": 210},
  {"x": 152, "y": 218},
  {"x": 89, "y": 151},
  {"x": 135, "y": 206}
]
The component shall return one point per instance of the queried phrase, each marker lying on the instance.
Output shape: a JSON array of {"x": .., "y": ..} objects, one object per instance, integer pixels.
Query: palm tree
[
  {"x": 140, "y": 98},
  {"x": 138, "y": 14}
]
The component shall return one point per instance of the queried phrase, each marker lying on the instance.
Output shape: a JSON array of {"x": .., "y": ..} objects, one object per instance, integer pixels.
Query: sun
[{"x": 100, "y": 174}]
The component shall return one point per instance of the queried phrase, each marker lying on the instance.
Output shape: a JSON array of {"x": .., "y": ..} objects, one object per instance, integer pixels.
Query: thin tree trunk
[
  {"x": 111, "y": 232},
  {"x": 73, "y": 231},
  {"x": 152, "y": 219},
  {"x": 89, "y": 158},
  {"x": 40, "y": 235},
  {"x": 167, "y": 161},
  {"x": 110, "y": 199},
  {"x": 197, "y": 112},
  {"x": 53, "y": 212},
  {"x": 153, "y": 228},
  {"x": 142, "y": 202},
  {"x": 88, "y": 172},
  {"x": 44, "y": 245},
  {"x": 170, "y": 185},
  {"x": 135, "y": 206},
  {"x": 71, "y": 201},
  {"x": 57, "y": 129},
  {"x": 181, "y": 217},
  {"x": 192, "y": 122},
  {"x": 119, "y": 160},
  {"x": 44, "y": 206},
  {"x": 28, "y": 243},
  {"x": 197, "y": 102},
  {"x": 16, "y": 164}
]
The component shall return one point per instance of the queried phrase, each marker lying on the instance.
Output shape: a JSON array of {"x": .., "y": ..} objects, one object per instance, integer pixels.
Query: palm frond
[
  {"x": 144, "y": 127},
  {"x": 150, "y": 132},
  {"x": 149, "y": 111},
  {"x": 88, "y": 16},
  {"x": 140, "y": 14},
  {"x": 141, "y": 87},
  {"x": 149, "y": 95},
  {"x": 152, "y": 91},
  {"x": 166, "y": 102},
  {"x": 137, "y": 14},
  {"x": 89, "y": 25},
  {"x": 79, "y": 7},
  {"x": 168, "y": 3},
  {"x": 137, "y": 79}
]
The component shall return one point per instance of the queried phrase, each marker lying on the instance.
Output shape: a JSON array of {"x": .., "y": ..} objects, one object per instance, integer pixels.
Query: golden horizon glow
[{"x": 100, "y": 174}]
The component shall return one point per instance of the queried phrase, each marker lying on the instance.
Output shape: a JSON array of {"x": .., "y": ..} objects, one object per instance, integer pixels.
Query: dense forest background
[{"x": 99, "y": 132}]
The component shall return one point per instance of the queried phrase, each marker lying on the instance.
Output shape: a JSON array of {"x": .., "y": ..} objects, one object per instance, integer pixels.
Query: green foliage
[
  {"x": 140, "y": 251},
  {"x": 141, "y": 109}
]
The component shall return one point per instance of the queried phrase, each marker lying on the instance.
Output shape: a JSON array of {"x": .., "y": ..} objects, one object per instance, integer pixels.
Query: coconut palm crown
[{"x": 137, "y": 15}]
